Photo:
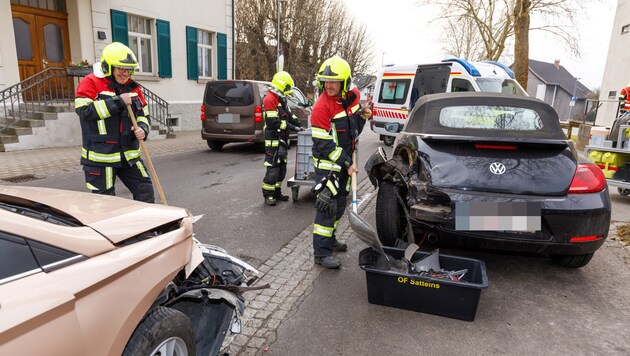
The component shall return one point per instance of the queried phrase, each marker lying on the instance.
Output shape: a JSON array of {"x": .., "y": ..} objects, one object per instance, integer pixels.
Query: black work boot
[
  {"x": 330, "y": 262},
  {"x": 281, "y": 197},
  {"x": 271, "y": 201},
  {"x": 339, "y": 246}
]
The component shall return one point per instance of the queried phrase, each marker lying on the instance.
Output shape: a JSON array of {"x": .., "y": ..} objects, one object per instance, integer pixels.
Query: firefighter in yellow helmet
[
  {"x": 336, "y": 122},
  {"x": 110, "y": 144},
  {"x": 278, "y": 120}
]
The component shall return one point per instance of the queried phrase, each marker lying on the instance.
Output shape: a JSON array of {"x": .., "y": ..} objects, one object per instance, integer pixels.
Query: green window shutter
[
  {"x": 165, "y": 67},
  {"x": 222, "y": 56},
  {"x": 120, "y": 31},
  {"x": 191, "y": 52}
]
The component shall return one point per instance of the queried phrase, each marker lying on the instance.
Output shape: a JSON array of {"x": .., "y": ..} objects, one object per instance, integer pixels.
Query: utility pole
[
  {"x": 573, "y": 98},
  {"x": 278, "y": 37}
]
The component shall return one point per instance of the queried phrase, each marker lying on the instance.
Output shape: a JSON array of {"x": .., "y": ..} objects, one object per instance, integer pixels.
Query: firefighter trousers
[
  {"x": 101, "y": 180},
  {"x": 324, "y": 226},
  {"x": 272, "y": 181}
]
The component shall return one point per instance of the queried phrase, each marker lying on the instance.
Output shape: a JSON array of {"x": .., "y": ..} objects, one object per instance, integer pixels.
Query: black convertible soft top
[{"x": 425, "y": 117}]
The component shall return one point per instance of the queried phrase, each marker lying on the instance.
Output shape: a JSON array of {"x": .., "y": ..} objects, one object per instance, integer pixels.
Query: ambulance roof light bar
[
  {"x": 505, "y": 68},
  {"x": 467, "y": 65}
]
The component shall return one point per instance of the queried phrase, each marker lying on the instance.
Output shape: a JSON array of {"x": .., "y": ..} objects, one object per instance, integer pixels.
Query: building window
[
  {"x": 54, "y": 5},
  {"x": 612, "y": 94},
  {"x": 140, "y": 42},
  {"x": 625, "y": 29},
  {"x": 204, "y": 54}
]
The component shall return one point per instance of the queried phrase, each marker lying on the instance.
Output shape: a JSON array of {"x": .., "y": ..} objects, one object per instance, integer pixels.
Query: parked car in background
[
  {"x": 494, "y": 171},
  {"x": 87, "y": 274},
  {"x": 399, "y": 86},
  {"x": 232, "y": 111}
]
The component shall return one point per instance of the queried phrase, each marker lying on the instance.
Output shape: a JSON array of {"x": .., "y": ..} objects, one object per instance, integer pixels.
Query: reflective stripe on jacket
[
  {"x": 105, "y": 124},
  {"x": 278, "y": 119},
  {"x": 331, "y": 127}
]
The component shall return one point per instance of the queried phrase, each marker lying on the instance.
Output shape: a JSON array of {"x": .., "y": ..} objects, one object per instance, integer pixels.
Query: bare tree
[
  {"x": 495, "y": 21},
  {"x": 521, "y": 41},
  {"x": 483, "y": 24},
  {"x": 310, "y": 32}
]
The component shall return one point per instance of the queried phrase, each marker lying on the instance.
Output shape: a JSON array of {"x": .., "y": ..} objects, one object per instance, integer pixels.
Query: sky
[{"x": 403, "y": 33}]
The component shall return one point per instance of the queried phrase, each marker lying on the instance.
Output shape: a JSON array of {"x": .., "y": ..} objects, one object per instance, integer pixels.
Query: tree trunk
[{"x": 521, "y": 41}]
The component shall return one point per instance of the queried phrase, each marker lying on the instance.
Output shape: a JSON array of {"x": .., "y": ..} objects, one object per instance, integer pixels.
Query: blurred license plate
[
  {"x": 492, "y": 216},
  {"x": 229, "y": 118}
]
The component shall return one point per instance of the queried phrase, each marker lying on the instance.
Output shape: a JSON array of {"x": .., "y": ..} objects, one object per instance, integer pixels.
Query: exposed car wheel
[
  {"x": 165, "y": 332},
  {"x": 390, "y": 218},
  {"x": 388, "y": 140},
  {"x": 623, "y": 191},
  {"x": 215, "y": 145},
  {"x": 575, "y": 261}
]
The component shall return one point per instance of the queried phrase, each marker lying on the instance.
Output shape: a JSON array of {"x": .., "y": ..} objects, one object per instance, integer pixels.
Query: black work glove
[
  {"x": 326, "y": 203},
  {"x": 299, "y": 128}
]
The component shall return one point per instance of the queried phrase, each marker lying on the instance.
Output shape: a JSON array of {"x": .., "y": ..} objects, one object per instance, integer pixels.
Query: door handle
[{"x": 44, "y": 62}]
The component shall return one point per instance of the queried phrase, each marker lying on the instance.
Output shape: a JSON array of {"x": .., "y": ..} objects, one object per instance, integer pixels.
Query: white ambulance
[{"x": 398, "y": 87}]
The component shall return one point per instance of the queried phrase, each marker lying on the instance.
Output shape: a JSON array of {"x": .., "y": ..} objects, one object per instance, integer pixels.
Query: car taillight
[
  {"x": 588, "y": 178},
  {"x": 482, "y": 146},
  {"x": 258, "y": 114},
  {"x": 203, "y": 113},
  {"x": 585, "y": 238}
]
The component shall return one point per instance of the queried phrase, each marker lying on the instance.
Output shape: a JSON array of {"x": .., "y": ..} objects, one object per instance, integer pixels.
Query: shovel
[{"x": 145, "y": 152}]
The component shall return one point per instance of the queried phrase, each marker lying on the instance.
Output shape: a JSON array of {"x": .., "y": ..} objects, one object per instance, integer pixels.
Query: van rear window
[
  {"x": 230, "y": 94},
  {"x": 394, "y": 91}
]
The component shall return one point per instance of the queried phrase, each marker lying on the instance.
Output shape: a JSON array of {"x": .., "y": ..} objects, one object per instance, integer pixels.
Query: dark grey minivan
[{"x": 232, "y": 111}]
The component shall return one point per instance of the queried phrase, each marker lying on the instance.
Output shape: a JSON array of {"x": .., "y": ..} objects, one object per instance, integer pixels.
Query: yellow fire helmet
[
  {"x": 335, "y": 69},
  {"x": 117, "y": 54},
  {"x": 282, "y": 83}
]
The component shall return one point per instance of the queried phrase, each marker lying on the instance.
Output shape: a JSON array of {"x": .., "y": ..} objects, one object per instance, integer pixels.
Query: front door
[{"x": 41, "y": 38}]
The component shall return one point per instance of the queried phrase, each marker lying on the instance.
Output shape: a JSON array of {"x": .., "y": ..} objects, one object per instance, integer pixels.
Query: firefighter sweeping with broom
[{"x": 336, "y": 122}]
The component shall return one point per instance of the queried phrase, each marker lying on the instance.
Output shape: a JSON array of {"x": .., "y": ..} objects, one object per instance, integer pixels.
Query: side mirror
[{"x": 393, "y": 127}]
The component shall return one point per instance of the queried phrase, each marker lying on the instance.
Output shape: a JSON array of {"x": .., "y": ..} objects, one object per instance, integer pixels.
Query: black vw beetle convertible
[{"x": 492, "y": 171}]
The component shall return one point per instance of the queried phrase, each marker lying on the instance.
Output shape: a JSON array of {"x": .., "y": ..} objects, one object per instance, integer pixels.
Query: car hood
[{"x": 115, "y": 218}]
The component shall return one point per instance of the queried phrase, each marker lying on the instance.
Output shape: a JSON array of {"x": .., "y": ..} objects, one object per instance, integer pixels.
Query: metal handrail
[{"x": 55, "y": 85}]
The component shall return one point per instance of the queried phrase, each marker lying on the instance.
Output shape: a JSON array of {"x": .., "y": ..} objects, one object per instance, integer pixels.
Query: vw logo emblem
[{"x": 497, "y": 168}]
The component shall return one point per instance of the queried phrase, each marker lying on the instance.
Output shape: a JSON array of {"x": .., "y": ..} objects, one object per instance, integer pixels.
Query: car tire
[
  {"x": 215, "y": 145},
  {"x": 388, "y": 140},
  {"x": 163, "y": 328},
  {"x": 572, "y": 261},
  {"x": 390, "y": 219}
]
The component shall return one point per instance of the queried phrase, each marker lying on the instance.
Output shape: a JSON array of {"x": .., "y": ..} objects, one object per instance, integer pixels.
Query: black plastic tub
[{"x": 452, "y": 299}]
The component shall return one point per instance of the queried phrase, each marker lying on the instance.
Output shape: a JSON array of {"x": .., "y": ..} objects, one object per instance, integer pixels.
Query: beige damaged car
[{"x": 86, "y": 274}]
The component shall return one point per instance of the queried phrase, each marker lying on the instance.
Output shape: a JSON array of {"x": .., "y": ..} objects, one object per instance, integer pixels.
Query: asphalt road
[{"x": 530, "y": 307}]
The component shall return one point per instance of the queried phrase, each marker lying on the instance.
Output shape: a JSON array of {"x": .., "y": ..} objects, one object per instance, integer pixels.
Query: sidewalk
[{"x": 16, "y": 165}]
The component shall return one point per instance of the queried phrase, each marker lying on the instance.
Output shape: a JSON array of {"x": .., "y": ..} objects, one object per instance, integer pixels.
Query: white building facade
[
  {"x": 180, "y": 45},
  {"x": 617, "y": 71}
]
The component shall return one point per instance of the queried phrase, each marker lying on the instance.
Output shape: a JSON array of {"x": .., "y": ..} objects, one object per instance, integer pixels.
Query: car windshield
[
  {"x": 499, "y": 85},
  {"x": 490, "y": 117}
]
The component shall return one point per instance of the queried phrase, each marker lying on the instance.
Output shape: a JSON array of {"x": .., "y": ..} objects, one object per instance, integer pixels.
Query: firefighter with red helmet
[
  {"x": 278, "y": 121},
  {"x": 110, "y": 144},
  {"x": 336, "y": 121}
]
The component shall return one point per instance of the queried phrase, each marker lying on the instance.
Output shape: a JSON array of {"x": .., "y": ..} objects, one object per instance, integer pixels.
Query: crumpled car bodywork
[
  {"x": 82, "y": 273},
  {"x": 460, "y": 183}
]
